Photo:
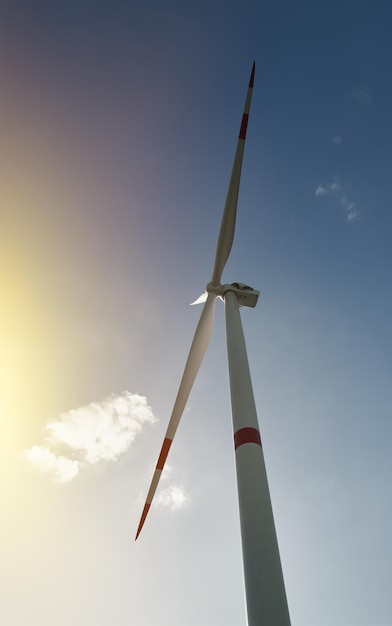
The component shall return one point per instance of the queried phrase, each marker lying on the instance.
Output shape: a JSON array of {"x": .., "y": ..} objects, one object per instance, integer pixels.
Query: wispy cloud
[
  {"x": 352, "y": 213},
  {"x": 60, "y": 467},
  {"x": 334, "y": 188},
  {"x": 96, "y": 433},
  {"x": 324, "y": 190},
  {"x": 172, "y": 497}
]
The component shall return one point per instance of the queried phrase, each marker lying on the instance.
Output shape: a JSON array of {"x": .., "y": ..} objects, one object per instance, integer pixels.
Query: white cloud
[
  {"x": 172, "y": 497},
  {"x": 60, "y": 467},
  {"x": 97, "y": 432},
  {"x": 334, "y": 188},
  {"x": 352, "y": 213},
  {"x": 324, "y": 190},
  {"x": 167, "y": 471}
]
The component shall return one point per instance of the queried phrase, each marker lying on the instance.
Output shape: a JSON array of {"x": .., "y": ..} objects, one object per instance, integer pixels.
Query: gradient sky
[{"x": 119, "y": 122}]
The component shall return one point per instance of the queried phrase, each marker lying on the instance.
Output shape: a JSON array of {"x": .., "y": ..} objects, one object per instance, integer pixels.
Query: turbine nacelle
[{"x": 246, "y": 296}]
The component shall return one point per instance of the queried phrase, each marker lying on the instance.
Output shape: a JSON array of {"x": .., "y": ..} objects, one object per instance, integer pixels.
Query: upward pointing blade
[
  {"x": 196, "y": 354},
  {"x": 226, "y": 233},
  {"x": 204, "y": 328}
]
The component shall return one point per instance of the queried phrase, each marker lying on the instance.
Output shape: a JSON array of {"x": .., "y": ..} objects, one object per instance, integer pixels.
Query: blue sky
[{"x": 119, "y": 123}]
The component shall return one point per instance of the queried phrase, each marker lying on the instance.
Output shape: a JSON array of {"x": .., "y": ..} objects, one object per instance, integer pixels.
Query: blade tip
[
  {"x": 252, "y": 75},
  {"x": 142, "y": 519},
  {"x": 139, "y": 530}
]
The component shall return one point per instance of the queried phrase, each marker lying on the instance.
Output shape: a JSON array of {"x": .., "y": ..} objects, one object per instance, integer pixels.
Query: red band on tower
[{"x": 246, "y": 435}]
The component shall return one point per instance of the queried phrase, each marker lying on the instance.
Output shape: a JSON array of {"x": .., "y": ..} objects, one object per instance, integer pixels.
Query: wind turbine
[{"x": 264, "y": 585}]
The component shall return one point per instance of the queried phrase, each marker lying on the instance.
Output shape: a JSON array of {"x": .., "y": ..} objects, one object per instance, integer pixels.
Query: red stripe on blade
[
  {"x": 164, "y": 452},
  {"x": 246, "y": 435},
  {"x": 252, "y": 76},
  {"x": 142, "y": 519},
  {"x": 244, "y": 125}
]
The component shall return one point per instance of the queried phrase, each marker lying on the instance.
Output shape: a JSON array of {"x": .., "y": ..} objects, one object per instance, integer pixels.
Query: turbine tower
[{"x": 265, "y": 593}]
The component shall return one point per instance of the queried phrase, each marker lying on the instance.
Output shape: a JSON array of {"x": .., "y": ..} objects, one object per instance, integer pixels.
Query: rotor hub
[{"x": 246, "y": 296}]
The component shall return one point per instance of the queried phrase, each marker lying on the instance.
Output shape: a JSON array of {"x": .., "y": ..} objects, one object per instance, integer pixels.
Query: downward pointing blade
[
  {"x": 196, "y": 354},
  {"x": 226, "y": 233}
]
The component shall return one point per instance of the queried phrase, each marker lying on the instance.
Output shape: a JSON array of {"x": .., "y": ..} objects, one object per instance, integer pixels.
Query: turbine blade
[
  {"x": 196, "y": 354},
  {"x": 226, "y": 233},
  {"x": 200, "y": 299}
]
